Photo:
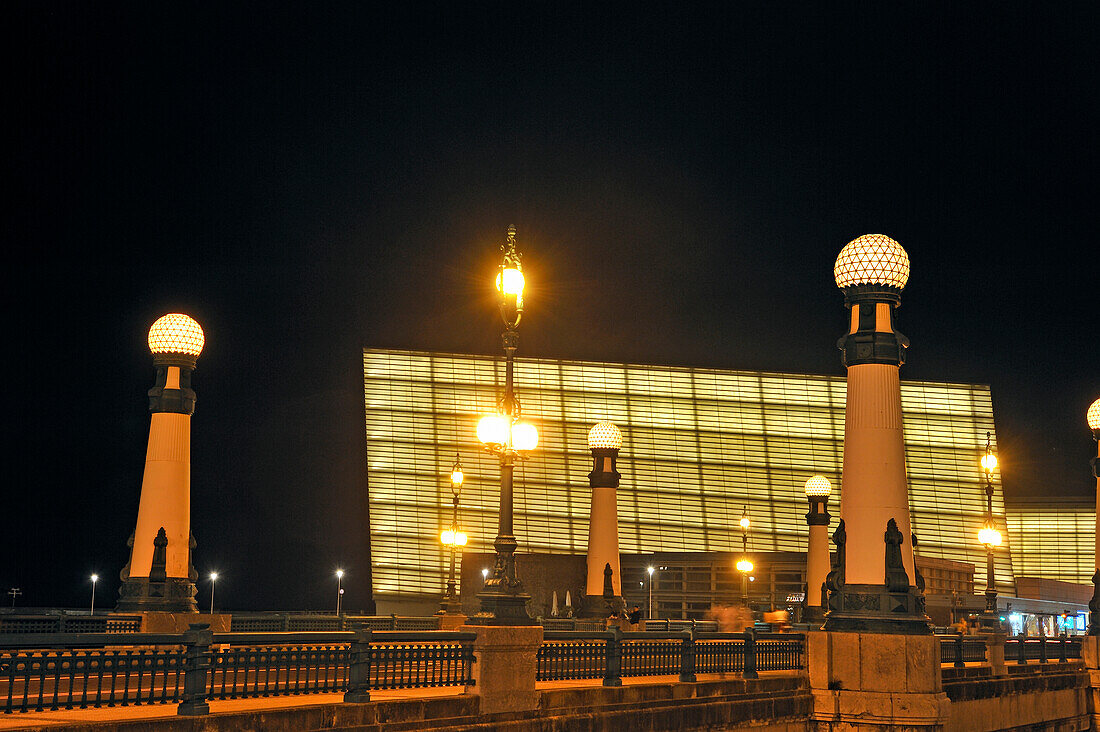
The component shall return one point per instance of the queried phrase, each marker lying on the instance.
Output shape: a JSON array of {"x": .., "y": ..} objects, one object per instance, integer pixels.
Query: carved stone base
[
  {"x": 873, "y": 609},
  {"x": 174, "y": 595},
  {"x": 501, "y": 608},
  {"x": 814, "y": 615},
  {"x": 599, "y": 606}
]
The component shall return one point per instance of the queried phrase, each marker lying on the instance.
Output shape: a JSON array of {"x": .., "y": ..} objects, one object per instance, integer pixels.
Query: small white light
[
  {"x": 339, "y": 574},
  {"x": 213, "y": 576}
]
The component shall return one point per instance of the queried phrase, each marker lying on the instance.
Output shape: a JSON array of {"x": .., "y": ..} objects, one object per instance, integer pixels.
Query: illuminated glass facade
[
  {"x": 1053, "y": 539},
  {"x": 699, "y": 445}
]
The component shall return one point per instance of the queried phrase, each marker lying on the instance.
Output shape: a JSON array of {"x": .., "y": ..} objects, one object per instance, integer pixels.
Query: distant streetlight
[
  {"x": 744, "y": 566},
  {"x": 14, "y": 592},
  {"x": 213, "y": 580},
  {"x": 990, "y": 538},
  {"x": 95, "y": 578},
  {"x": 503, "y": 601},
  {"x": 1093, "y": 417},
  {"x": 484, "y": 574},
  {"x": 339, "y": 589},
  {"x": 454, "y": 540},
  {"x": 649, "y": 606}
]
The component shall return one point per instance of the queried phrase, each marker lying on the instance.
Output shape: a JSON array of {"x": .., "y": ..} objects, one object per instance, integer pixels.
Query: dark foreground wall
[{"x": 1034, "y": 698}]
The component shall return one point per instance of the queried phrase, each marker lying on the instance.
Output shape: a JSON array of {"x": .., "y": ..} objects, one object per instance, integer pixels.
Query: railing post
[
  {"x": 1042, "y": 649},
  {"x": 687, "y": 656},
  {"x": 393, "y": 621},
  {"x": 1062, "y": 649},
  {"x": 359, "y": 667},
  {"x": 750, "y": 655},
  {"x": 612, "y": 675},
  {"x": 1021, "y": 650},
  {"x": 959, "y": 651},
  {"x": 196, "y": 665}
]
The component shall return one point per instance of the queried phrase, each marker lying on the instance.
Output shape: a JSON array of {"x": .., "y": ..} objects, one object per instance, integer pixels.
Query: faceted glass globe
[
  {"x": 524, "y": 436},
  {"x": 989, "y": 536},
  {"x": 1094, "y": 415},
  {"x": 744, "y": 565},
  {"x": 604, "y": 435},
  {"x": 872, "y": 259},
  {"x": 176, "y": 333},
  {"x": 817, "y": 486}
]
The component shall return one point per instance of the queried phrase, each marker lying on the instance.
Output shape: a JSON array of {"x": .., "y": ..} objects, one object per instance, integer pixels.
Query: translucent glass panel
[
  {"x": 699, "y": 446},
  {"x": 1054, "y": 541}
]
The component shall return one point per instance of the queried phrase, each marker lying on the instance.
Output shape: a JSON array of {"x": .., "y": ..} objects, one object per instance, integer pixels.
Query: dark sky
[{"x": 307, "y": 181}]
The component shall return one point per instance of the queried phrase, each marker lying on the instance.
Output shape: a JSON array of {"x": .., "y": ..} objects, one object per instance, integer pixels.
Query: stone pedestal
[
  {"x": 451, "y": 621},
  {"x": 1090, "y": 654},
  {"x": 995, "y": 653},
  {"x": 505, "y": 666},
  {"x": 873, "y": 681}
]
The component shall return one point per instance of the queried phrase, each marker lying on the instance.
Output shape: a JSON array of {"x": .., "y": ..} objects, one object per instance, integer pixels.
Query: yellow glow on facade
[
  {"x": 872, "y": 259},
  {"x": 176, "y": 333},
  {"x": 513, "y": 282},
  {"x": 817, "y": 486},
  {"x": 1093, "y": 415},
  {"x": 744, "y": 565},
  {"x": 604, "y": 435}
]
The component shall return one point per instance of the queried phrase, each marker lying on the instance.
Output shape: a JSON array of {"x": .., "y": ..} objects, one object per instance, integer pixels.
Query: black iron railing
[
  {"x": 959, "y": 650},
  {"x": 611, "y": 655},
  {"x": 62, "y": 671}
]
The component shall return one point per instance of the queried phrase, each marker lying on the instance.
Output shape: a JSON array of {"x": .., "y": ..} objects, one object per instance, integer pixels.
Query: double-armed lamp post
[
  {"x": 990, "y": 537},
  {"x": 744, "y": 564},
  {"x": 503, "y": 601},
  {"x": 454, "y": 540}
]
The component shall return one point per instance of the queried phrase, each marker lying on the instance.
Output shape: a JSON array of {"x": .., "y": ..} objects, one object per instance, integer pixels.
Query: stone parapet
[{"x": 505, "y": 666}]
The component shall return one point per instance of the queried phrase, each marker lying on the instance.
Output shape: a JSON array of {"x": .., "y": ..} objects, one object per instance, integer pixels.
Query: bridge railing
[
  {"x": 66, "y": 671},
  {"x": 68, "y": 622},
  {"x": 958, "y": 650},
  {"x": 274, "y": 622},
  {"x": 613, "y": 654}
]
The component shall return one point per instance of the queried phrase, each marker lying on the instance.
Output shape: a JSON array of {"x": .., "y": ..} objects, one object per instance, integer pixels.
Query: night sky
[{"x": 309, "y": 181}]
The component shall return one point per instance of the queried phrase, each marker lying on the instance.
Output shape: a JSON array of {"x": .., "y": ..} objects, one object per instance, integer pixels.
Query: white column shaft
[
  {"x": 165, "y": 495},
  {"x": 603, "y": 542}
]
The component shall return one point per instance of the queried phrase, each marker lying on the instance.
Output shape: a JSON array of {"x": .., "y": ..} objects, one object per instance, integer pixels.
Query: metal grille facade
[
  {"x": 699, "y": 445},
  {"x": 1054, "y": 539}
]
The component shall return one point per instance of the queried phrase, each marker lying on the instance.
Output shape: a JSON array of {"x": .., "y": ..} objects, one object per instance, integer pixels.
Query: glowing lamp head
[
  {"x": 176, "y": 333},
  {"x": 453, "y": 538},
  {"x": 989, "y": 536},
  {"x": 818, "y": 487},
  {"x": 744, "y": 565},
  {"x": 989, "y": 462},
  {"x": 510, "y": 282},
  {"x": 744, "y": 522},
  {"x": 872, "y": 259},
  {"x": 524, "y": 436},
  {"x": 604, "y": 435},
  {"x": 492, "y": 429},
  {"x": 650, "y": 570},
  {"x": 339, "y": 574},
  {"x": 95, "y": 578},
  {"x": 1093, "y": 415},
  {"x": 213, "y": 576}
]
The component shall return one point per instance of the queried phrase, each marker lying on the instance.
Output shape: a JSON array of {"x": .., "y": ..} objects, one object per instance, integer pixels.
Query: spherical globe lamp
[
  {"x": 989, "y": 462},
  {"x": 524, "y": 436},
  {"x": 604, "y": 436},
  {"x": 744, "y": 565},
  {"x": 493, "y": 429},
  {"x": 872, "y": 259},
  {"x": 989, "y": 536},
  {"x": 176, "y": 333},
  {"x": 818, "y": 487},
  {"x": 1093, "y": 416}
]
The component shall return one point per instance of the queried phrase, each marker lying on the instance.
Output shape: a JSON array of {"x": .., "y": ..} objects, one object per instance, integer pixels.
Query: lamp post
[
  {"x": 213, "y": 581},
  {"x": 649, "y": 605},
  {"x": 160, "y": 574},
  {"x": 817, "y": 491},
  {"x": 339, "y": 589},
  {"x": 1093, "y": 417},
  {"x": 503, "y": 601},
  {"x": 990, "y": 538},
  {"x": 94, "y": 578},
  {"x": 744, "y": 565},
  {"x": 603, "y": 583},
  {"x": 454, "y": 540},
  {"x": 873, "y": 587}
]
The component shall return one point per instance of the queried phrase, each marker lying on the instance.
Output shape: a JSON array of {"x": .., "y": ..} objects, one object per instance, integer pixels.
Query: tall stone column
[
  {"x": 875, "y": 589},
  {"x": 818, "y": 489},
  {"x": 160, "y": 574},
  {"x": 1093, "y": 417},
  {"x": 603, "y": 583}
]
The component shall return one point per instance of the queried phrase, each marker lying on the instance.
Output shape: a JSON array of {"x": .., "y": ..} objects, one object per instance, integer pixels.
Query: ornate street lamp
[
  {"x": 991, "y": 539},
  {"x": 744, "y": 565},
  {"x": 503, "y": 601},
  {"x": 454, "y": 540},
  {"x": 1093, "y": 417},
  {"x": 817, "y": 490}
]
